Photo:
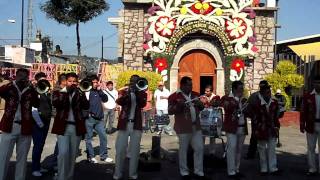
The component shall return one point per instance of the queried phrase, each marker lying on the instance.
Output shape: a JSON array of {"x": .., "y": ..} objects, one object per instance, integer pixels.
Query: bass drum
[{"x": 211, "y": 120}]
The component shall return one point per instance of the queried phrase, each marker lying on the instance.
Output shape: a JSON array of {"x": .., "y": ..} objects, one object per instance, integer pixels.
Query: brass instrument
[
  {"x": 142, "y": 84},
  {"x": 43, "y": 86},
  {"x": 85, "y": 85}
]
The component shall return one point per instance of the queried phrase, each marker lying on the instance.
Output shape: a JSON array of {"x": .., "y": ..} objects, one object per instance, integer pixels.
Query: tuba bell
[
  {"x": 142, "y": 84},
  {"x": 43, "y": 86},
  {"x": 85, "y": 85}
]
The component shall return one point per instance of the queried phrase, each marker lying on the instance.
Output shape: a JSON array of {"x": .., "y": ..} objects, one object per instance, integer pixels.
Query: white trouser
[
  {"x": 7, "y": 142},
  {"x": 196, "y": 140},
  {"x": 267, "y": 153},
  {"x": 234, "y": 148},
  {"x": 121, "y": 150},
  {"x": 312, "y": 143},
  {"x": 68, "y": 146}
]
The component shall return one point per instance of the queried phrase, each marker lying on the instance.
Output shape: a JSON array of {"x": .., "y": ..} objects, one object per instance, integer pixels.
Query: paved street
[{"x": 291, "y": 157}]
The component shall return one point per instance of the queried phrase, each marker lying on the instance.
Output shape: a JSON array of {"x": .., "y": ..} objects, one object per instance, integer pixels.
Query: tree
[
  {"x": 285, "y": 76},
  {"x": 74, "y": 12}
]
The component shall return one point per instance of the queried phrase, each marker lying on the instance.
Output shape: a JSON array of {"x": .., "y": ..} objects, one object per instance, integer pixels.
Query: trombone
[
  {"x": 43, "y": 86},
  {"x": 142, "y": 84},
  {"x": 85, "y": 85}
]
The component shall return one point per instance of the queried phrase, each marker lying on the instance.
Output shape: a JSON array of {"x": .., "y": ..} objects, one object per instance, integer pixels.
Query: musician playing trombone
[
  {"x": 132, "y": 99},
  {"x": 266, "y": 127},
  {"x": 17, "y": 123},
  {"x": 42, "y": 117},
  {"x": 235, "y": 126},
  {"x": 69, "y": 124},
  {"x": 186, "y": 107}
]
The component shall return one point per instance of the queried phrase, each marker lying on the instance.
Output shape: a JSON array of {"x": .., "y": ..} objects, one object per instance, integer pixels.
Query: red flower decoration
[
  {"x": 161, "y": 64},
  {"x": 165, "y": 26},
  {"x": 236, "y": 28},
  {"x": 237, "y": 65}
]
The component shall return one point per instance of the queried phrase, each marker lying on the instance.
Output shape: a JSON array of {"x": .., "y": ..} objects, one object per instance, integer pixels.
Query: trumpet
[
  {"x": 194, "y": 99},
  {"x": 85, "y": 85},
  {"x": 43, "y": 86}
]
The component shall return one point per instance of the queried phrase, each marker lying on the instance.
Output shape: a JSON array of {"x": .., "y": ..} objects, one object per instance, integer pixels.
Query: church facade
[{"x": 214, "y": 42}]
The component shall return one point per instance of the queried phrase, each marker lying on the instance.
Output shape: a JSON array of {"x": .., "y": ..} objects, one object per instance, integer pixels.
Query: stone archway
[{"x": 195, "y": 45}]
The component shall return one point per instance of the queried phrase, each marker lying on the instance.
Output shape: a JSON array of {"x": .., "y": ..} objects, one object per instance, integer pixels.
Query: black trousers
[{"x": 252, "y": 150}]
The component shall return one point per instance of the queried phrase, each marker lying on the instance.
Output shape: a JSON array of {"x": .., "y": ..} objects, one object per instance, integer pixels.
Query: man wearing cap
[
  {"x": 310, "y": 122},
  {"x": 253, "y": 99},
  {"x": 161, "y": 96}
]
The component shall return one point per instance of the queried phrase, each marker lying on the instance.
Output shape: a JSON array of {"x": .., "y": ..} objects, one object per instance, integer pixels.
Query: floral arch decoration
[
  {"x": 168, "y": 17},
  {"x": 203, "y": 27}
]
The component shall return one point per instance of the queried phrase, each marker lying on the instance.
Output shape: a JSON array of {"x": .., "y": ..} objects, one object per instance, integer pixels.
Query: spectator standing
[{"x": 110, "y": 106}]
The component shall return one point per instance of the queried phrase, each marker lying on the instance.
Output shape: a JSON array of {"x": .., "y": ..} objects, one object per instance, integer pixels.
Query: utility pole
[
  {"x": 29, "y": 30},
  {"x": 22, "y": 21},
  {"x": 102, "y": 48}
]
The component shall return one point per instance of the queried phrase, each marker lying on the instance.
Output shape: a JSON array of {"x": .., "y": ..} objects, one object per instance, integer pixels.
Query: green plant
[
  {"x": 74, "y": 12},
  {"x": 285, "y": 75},
  {"x": 152, "y": 77}
]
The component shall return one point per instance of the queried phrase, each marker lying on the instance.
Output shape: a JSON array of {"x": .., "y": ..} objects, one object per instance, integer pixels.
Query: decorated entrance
[
  {"x": 228, "y": 31},
  {"x": 201, "y": 67},
  {"x": 158, "y": 34}
]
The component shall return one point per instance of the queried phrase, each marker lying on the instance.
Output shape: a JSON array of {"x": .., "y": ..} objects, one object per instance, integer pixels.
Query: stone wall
[
  {"x": 263, "y": 63},
  {"x": 135, "y": 21}
]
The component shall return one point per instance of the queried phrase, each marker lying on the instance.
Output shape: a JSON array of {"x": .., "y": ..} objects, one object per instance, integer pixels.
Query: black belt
[
  {"x": 17, "y": 122},
  {"x": 242, "y": 125},
  {"x": 131, "y": 120},
  {"x": 317, "y": 120},
  {"x": 71, "y": 123}
]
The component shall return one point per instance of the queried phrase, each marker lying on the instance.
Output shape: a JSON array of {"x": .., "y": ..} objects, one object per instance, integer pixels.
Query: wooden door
[{"x": 195, "y": 64}]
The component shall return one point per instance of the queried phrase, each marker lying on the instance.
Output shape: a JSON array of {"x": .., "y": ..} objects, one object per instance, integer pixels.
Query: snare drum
[
  {"x": 162, "y": 120},
  {"x": 211, "y": 122}
]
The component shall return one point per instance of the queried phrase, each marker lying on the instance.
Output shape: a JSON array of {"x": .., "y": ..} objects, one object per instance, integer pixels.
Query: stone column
[
  {"x": 263, "y": 63},
  {"x": 134, "y": 24}
]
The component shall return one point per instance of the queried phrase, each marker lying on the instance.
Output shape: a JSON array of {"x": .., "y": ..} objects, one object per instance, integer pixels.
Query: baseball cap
[{"x": 264, "y": 84}]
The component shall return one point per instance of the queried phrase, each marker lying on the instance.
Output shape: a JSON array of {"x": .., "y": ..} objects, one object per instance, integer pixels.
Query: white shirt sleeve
[
  {"x": 116, "y": 94},
  {"x": 36, "y": 117},
  {"x": 167, "y": 94}
]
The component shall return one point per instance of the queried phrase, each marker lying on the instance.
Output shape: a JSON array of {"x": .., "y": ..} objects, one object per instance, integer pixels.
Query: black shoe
[
  {"x": 186, "y": 177},
  {"x": 263, "y": 173},
  {"x": 240, "y": 175},
  {"x": 233, "y": 176},
  {"x": 197, "y": 177},
  {"x": 311, "y": 174},
  {"x": 276, "y": 173}
]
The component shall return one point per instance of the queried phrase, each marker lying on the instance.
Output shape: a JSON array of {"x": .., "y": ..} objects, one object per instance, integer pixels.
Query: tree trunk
[{"x": 78, "y": 39}]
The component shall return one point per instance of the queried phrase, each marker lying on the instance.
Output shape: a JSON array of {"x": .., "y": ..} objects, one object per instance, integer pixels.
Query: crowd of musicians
[{"x": 80, "y": 111}]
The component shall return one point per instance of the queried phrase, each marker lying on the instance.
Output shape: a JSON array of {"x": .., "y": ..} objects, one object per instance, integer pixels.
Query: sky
[{"x": 297, "y": 18}]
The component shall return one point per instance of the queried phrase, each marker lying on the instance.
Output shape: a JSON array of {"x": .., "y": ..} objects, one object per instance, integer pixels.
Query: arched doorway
[
  {"x": 201, "y": 67},
  {"x": 213, "y": 51}
]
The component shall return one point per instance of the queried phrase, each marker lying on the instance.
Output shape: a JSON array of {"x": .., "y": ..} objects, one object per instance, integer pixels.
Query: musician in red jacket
[
  {"x": 266, "y": 127},
  {"x": 235, "y": 125},
  {"x": 17, "y": 123},
  {"x": 129, "y": 125},
  {"x": 69, "y": 124},
  {"x": 310, "y": 122},
  {"x": 186, "y": 106}
]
